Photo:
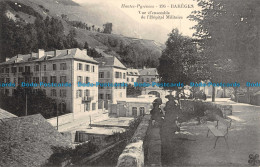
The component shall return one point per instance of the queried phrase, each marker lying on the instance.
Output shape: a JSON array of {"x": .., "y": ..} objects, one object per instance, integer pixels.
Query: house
[
  {"x": 148, "y": 75},
  {"x": 112, "y": 72},
  {"x": 28, "y": 141},
  {"x": 57, "y": 73},
  {"x": 133, "y": 107},
  {"x": 132, "y": 76}
]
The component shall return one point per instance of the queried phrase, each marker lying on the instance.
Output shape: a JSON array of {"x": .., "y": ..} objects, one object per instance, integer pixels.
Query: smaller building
[
  {"x": 148, "y": 75},
  {"x": 132, "y": 76},
  {"x": 133, "y": 107}
]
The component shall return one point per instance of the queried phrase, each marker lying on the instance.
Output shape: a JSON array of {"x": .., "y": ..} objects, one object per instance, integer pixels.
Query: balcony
[
  {"x": 27, "y": 73},
  {"x": 87, "y": 99}
]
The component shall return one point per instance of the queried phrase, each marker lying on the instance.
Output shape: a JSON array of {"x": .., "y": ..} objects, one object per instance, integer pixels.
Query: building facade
[
  {"x": 148, "y": 75},
  {"x": 67, "y": 67},
  {"x": 111, "y": 71},
  {"x": 132, "y": 76}
]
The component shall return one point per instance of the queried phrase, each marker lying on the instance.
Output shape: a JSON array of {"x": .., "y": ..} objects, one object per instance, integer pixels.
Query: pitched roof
[
  {"x": 52, "y": 55},
  {"x": 148, "y": 71},
  {"x": 110, "y": 61},
  {"x": 131, "y": 71},
  {"x": 4, "y": 114},
  {"x": 28, "y": 141}
]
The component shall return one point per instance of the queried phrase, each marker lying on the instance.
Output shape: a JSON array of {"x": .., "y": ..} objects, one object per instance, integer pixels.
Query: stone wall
[{"x": 133, "y": 154}]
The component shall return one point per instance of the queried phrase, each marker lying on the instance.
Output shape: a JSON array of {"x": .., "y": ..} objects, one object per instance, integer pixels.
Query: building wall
[
  {"x": 90, "y": 71},
  {"x": 131, "y": 79},
  {"x": 114, "y": 93},
  {"x": 148, "y": 78},
  {"x": 69, "y": 74},
  {"x": 119, "y": 92}
]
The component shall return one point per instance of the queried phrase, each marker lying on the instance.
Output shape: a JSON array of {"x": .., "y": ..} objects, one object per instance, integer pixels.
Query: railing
[
  {"x": 27, "y": 73},
  {"x": 87, "y": 99}
]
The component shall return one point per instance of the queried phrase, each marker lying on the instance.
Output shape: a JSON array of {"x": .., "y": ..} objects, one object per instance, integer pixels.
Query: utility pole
[
  {"x": 25, "y": 104},
  {"x": 57, "y": 117}
]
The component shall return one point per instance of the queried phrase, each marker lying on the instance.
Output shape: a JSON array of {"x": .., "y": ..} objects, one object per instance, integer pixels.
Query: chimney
[
  {"x": 85, "y": 50},
  {"x": 7, "y": 59},
  {"x": 40, "y": 53}
]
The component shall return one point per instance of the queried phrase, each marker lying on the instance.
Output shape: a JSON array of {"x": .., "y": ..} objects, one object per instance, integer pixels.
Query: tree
[
  {"x": 229, "y": 38},
  {"x": 108, "y": 28},
  {"x": 180, "y": 61}
]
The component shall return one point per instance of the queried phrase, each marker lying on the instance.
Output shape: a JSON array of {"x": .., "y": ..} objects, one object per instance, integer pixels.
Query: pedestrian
[{"x": 156, "y": 113}]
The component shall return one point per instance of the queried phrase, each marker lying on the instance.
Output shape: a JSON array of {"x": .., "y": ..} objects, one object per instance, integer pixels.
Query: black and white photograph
[{"x": 129, "y": 83}]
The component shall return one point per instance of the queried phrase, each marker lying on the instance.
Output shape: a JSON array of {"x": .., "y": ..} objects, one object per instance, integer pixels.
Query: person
[
  {"x": 172, "y": 110},
  {"x": 156, "y": 112}
]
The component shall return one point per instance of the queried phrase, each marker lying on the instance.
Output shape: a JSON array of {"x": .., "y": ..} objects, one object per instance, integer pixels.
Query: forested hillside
[{"x": 27, "y": 26}]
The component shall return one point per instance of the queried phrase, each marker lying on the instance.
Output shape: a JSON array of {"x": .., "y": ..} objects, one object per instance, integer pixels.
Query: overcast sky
[{"x": 183, "y": 25}]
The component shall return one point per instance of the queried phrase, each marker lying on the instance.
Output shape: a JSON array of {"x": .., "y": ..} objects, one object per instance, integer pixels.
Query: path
[{"x": 192, "y": 148}]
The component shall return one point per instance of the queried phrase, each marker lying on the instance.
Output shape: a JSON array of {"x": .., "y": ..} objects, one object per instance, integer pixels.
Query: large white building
[
  {"x": 60, "y": 66},
  {"x": 112, "y": 71}
]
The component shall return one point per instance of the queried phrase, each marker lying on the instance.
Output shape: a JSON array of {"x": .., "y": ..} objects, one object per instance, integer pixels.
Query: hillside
[{"x": 132, "y": 51}]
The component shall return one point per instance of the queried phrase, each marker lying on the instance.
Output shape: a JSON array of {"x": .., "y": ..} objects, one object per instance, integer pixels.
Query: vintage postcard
[{"x": 129, "y": 83}]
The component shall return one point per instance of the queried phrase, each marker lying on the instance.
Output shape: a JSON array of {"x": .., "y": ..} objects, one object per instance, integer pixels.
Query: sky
[{"x": 183, "y": 25}]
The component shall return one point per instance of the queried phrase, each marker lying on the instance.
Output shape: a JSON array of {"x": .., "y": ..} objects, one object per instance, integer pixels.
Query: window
[
  {"x": 79, "y": 66},
  {"x": 86, "y": 93},
  {"x": 134, "y": 111},
  {"x": 63, "y": 92},
  {"x": 117, "y": 75},
  {"x": 132, "y": 79},
  {"x": 63, "y": 79},
  {"x": 86, "y": 67},
  {"x": 79, "y": 79},
  {"x": 14, "y": 69},
  {"x": 93, "y": 106},
  {"x": 7, "y": 80},
  {"x": 2, "y": 70},
  {"x": 20, "y": 80},
  {"x": 53, "y": 79},
  {"x": 44, "y": 67},
  {"x": 7, "y": 70},
  {"x": 142, "y": 80},
  {"x": 120, "y": 75},
  {"x": 123, "y": 75},
  {"x": 86, "y": 79},
  {"x": 108, "y": 96},
  {"x": 101, "y": 74},
  {"x": 54, "y": 67},
  {"x": 53, "y": 92},
  {"x": 14, "y": 80},
  {"x": 37, "y": 68},
  {"x": 152, "y": 79},
  {"x": 63, "y": 66},
  {"x": 142, "y": 110},
  {"x": 78, "y": 93},
  {"x": 35, "y": 79},
  {"x": 7, "y": 91},
  {"x": 108, "y": 74},
  {"x": 20, "y": 69},
  {"x": 147, "y": 80},
  {"x": 45, "y": 79},
  {"x": 127, "y": 79},
  {"x": 101, "y": 96},
  {"x": 27, "y": 69},
  {"x": 93, "y": 69},
  {"x": 44, "y": 91}
]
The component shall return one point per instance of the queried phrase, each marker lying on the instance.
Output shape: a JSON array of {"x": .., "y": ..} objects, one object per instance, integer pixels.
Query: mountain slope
[{"x": 132, "y": 51}]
